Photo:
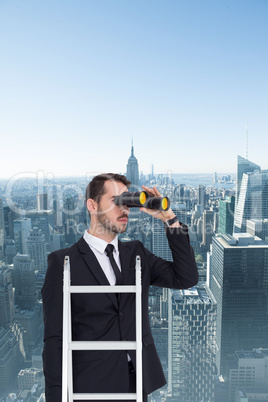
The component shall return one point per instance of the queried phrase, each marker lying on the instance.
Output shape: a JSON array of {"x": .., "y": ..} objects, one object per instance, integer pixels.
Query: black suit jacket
[{"x": 102, "y": 317}]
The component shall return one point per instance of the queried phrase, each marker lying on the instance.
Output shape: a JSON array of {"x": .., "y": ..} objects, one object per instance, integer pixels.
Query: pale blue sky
[{"x": 79, "y": 78}]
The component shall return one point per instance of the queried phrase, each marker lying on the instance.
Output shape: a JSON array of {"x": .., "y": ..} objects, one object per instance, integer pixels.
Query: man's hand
[{"x": 162, "y": 215}]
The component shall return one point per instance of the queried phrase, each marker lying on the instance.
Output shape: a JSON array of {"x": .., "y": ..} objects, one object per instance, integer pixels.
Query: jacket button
[{"x": 121, "y": 314}]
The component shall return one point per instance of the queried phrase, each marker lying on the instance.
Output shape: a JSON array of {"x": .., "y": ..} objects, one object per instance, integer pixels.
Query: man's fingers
[
  {"x": 152, "y": 191},
  {"x": 157, "y": 192}
]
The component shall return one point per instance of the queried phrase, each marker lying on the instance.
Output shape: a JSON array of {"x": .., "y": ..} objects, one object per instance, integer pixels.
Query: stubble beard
[{"x": 109, "y": 226}]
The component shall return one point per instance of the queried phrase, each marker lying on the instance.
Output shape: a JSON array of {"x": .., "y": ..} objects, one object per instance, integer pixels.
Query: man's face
[{"x": 112, "y": 217}]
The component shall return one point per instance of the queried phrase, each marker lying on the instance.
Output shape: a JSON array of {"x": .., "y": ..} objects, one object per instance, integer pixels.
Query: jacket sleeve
[
  {"x": 182, "y": 273},
  {"x": 52, "y": 294}
]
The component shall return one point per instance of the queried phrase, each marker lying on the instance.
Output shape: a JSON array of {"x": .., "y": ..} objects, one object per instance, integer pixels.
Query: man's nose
[{"x": 124, "y": 208}]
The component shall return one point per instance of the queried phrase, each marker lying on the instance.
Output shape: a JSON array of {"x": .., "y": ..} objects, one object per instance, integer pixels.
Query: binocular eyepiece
[{"x": 142, "y": 199}]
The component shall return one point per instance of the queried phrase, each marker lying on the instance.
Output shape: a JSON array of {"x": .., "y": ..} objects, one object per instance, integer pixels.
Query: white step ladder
[{"x": 68, "y": 345}]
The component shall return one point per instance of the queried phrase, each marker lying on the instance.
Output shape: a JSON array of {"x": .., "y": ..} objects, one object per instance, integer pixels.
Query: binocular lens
[
  {"x": 164, "y": 204},
  {"x": 143, "y": 197}
]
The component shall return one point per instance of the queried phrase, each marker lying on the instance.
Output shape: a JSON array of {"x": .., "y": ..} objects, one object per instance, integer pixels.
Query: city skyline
[
  {"x": 189, "y": 328},
  {"x": 183, "y": 79}
]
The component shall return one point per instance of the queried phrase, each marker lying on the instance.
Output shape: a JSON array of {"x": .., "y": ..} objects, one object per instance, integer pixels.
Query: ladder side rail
[
  {"x": 138, "y": 330},
  {"x": 70, "y": 353},
  {"x": 65, "y": 325}
]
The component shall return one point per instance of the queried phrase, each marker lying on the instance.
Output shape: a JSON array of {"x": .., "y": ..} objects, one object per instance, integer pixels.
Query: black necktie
[{"x": 119, "y": 277}]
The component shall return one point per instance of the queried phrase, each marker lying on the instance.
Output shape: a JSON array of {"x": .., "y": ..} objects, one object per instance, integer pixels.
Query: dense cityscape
[{"x": 211, "y": 339}]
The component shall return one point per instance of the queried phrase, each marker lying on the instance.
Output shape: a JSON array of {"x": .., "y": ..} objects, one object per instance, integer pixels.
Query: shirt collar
[{"x": 99, "y": 244}]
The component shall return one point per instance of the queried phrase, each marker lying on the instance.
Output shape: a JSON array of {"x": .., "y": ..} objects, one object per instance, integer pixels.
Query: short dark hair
[{"x": 95, "y": 189}]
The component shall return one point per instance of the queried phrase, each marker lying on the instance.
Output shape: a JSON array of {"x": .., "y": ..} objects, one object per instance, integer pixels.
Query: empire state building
[{"x": 133, "y": 171}]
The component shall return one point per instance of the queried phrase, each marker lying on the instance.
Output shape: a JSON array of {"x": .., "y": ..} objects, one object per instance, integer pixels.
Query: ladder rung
[
  {"x": 103, "y": 345},
  {"x": 103, "y": 289},
  {"x": 85, "y": 397}
]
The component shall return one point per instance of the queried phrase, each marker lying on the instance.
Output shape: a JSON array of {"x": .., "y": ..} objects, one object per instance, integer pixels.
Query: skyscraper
[
  {"x": 160, "y": 335},
  {"x": 226, "y": 215},
  {"x": 42, "y": 202},
  {"x": 258, "y": 227},
  {"x": 181, "y": 190},
  {"x": 161, "y": 249},
  {"x": 37, "y": 249},
  {"x": 9, "y": 250},
  {"x": 243, "y": 166},
  {"x": 31, "y": 322},
  {"x": 21, "y": 229},
  {"x": 28, "y": 377},
  {"x": 43, "y": 220},
  {"x": 160, "y": 243},
  {"x": 10, "y": 358},
  {"x": 2, "y": 227},
  {"x": 152, "y": 172},
  {"x": 252, "y": 200},
  {"x": 201, "y": 196},
  {"x": 208, "y": 228},
  {"x": 70, "y": 215},
  {"x": 56, "y": 205},
  {"x": 7, "y": 309},
  {"x": 133, "y": 171},
  {"x": 9, "y": 217},
  {"x": 238, "y": 280},
  {"x": 24, "y": 281},
  {"x": 249, "y": 370},
  {"x": 192, "y": 328}
]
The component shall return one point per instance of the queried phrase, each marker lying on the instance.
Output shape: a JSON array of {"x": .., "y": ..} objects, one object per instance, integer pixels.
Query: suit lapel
[{"x": 94, "y": 266}]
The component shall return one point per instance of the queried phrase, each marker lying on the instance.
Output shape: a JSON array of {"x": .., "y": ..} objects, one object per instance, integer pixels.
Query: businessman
[{"x": 99, "y": 258}]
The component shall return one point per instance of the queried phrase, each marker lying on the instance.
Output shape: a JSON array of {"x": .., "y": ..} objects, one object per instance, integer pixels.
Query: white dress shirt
[{"x": 98, "y": 247}]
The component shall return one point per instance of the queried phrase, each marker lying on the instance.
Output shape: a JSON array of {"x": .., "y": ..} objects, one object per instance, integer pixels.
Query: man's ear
[{"x": 92, "y": 206}]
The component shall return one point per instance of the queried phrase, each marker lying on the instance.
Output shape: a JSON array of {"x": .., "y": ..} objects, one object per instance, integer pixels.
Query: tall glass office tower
[
  {"x": 226, "y": 215},
  {"x": 252, "y": 200},
  {"x": 192, "y": 327},
  {"x": 238, "y": 280},
  {"x": 243, "y": 166}
]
